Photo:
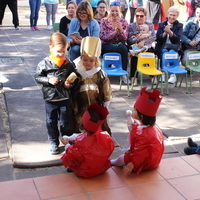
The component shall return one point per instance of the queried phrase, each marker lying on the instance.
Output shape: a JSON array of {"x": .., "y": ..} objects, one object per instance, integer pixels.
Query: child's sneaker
[{"x": 54, "y": 150}]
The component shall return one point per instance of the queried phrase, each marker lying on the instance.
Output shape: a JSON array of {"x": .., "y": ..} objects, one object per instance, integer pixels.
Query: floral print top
[{"x": 107, "y": 32}]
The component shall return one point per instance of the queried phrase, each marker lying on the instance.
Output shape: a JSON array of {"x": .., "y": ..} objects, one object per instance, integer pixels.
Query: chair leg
[
  {"x": 120, "y": 83},
  {"x": 128, "y": 92},
  {"x": 186, "y": 82},
  {"x": 132, "y": 85}
]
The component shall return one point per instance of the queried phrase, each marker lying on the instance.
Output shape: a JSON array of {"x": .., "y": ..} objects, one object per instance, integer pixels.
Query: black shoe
[
  {"x": 191, "y": 143},
  {"x": 190, "y": 150},
  {"x": 69, "y": 170}
]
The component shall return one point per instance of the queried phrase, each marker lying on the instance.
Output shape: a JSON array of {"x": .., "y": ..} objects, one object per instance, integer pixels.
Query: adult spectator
[
  {"x": 12, "y": 4},
  {"x": 65, "y": 21},
  {"x": 94, "y": 4},
  {"x": 155, "y": 12},
  {"x": 101, "y": 11},
  {"x": 133, "y": 30},
  {"x": 124, "y": 7},
  {"x": 80, "y": 27},
  {"x": 51, "y": 9},
  {"x": 168, "y": 36},
  {"x": 34, "y": 14},
  {"x": 113, "y": 34},
  {"x": 191, "y": 35},
  {"x": 133, "y": 4}
]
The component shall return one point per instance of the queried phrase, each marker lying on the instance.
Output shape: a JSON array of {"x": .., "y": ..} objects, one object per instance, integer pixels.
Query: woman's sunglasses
[
  {"x": 115, "y": 4},
  {"x": 141, "y": 16}
]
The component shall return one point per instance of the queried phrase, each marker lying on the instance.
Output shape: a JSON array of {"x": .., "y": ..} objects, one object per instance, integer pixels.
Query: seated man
[{"x": 191, "y": 35}]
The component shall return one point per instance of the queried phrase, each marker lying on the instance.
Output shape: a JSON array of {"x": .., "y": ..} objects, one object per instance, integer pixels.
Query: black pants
[
  {"x": 12, "y": 4},
  {"x": 121, "y": 49},
  {"x": 132, "y": 14}
]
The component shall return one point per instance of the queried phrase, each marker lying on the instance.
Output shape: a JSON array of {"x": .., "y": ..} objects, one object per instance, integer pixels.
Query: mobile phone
[{"x": 77, "y": 34}]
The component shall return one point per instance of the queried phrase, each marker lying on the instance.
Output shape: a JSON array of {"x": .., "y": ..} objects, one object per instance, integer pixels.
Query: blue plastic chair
[
  {"x": 171, "y": 64},
  {"x": 192, "y": 64},
  {"x": 112, "y": 65}
]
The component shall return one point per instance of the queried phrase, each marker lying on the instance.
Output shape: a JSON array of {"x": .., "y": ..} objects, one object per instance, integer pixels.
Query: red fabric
[
  {"x": 190, "y": 8},
  {"x": 89, "y": 156},
  {"x": 147, "y": 148}
]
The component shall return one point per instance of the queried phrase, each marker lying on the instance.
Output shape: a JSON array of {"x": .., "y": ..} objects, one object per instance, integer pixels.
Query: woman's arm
[{"x": 95, "y": 28}]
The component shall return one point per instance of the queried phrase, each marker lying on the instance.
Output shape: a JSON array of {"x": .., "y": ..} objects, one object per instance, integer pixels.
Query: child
[
  {"x": 89, "y": 155},
  {"x": 52, "y": 73},
  {"x": 146, "y": 138},
  {"x": 144, "y": 30},
  {"x": 94, "y": 84},
  {"x": 193, "y": 148}
]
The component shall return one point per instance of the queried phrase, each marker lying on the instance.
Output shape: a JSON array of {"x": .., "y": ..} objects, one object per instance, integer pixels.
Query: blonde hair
[
  {"x": 58, "y": 39},
  {"x": 141, "y": 9},
  {"x": 84, "y": 5}
]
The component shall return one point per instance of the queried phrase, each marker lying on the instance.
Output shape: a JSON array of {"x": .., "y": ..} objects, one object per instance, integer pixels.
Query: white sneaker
[
  {"x": 48, "y": 28},
  {"x": 125, "y": 80},
  {"x": 172, "y": 79},
  {"x": 135, "y": 82},
  {"x": 162, "y": 78}
]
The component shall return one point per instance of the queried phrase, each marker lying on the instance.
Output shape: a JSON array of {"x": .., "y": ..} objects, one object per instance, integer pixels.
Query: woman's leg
[
  {"x": 48, "y": 12},
  {"x": 54, "y": 10},
  {"x": 32, "y": 4},
  {"x": 133, "y": 68},
  {"x": 74, "y": 52},
  {"x": 37, "y": 8}
]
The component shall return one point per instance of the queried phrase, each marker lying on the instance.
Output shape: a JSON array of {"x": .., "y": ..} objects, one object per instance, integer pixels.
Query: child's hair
[
  {"x": 146, "y": 120},
  {"x": 97, "y": 64},
  {"x": 95, "y": 117},
  {"x": 84, "y": 5},
  {"x": 58, "y": 39},
  {"x": 71, "y": 2},
  {"x": 145, "y": 26}
]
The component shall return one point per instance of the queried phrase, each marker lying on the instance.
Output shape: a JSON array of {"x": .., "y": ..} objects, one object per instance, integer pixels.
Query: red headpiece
[
  {"x": 148, "y": 103},
  {"x": 86, "y": 119}
]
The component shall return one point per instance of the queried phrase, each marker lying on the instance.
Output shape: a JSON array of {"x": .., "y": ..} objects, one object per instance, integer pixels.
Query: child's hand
[
  {"x": 53, "y": 80},
  {"x": 66, "y": 84},
  {"x": 128, "y": 168},
  {"x": 64, "y": 140}
]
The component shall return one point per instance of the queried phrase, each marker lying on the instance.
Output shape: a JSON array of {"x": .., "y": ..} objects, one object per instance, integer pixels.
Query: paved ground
[{"x": 24, "y": 148}]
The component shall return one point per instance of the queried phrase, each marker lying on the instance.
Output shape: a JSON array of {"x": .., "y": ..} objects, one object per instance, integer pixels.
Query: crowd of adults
[
  {"x": 100, "y": 18},
  {"x": 117, "y": 35}
]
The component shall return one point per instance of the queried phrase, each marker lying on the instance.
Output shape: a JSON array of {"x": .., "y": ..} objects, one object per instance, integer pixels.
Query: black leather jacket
[{"x": 46, "y": 69}]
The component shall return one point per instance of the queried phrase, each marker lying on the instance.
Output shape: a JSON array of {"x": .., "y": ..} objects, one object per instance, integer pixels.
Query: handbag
[{"x": 170, "y": 46}]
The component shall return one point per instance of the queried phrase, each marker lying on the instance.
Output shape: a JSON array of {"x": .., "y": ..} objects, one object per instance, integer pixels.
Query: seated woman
[
  {"x": 113, "y": 35},
  {"x": 169, "y": 32},
  {"x": 65, "y": 21},
  {"x": 141, "y": 41},
  {"x": 101, "y": 11},
  {"x": 80, "y": 27}
]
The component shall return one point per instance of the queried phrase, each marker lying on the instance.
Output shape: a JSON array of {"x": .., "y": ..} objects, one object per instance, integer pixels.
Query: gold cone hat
[{"x": 91, "y": 46}]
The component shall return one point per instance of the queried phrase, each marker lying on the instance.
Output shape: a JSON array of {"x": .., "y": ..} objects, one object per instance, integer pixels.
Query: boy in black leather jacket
[{"x": 53, "y": 72}]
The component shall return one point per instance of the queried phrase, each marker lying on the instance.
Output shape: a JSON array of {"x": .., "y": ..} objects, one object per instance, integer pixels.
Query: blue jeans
[
  {"x": 34, "y": 7},
  {"x": 58, "y": 112},
  {"x": 74, "y": 52},
  {"x": 51, "y": 10}
]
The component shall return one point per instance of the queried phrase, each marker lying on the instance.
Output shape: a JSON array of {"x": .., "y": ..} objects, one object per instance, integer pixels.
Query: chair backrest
[
  {"x": 146, "y": 60},
  {"x": 170, "y": 60},
  {"x": 193, "y": 60},
  {"x": 112, "y": 64},
  {"x": 56, "y": 27}
]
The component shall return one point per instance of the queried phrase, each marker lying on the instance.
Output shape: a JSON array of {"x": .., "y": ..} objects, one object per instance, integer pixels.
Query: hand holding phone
[{"x": 77, "y": 34}]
